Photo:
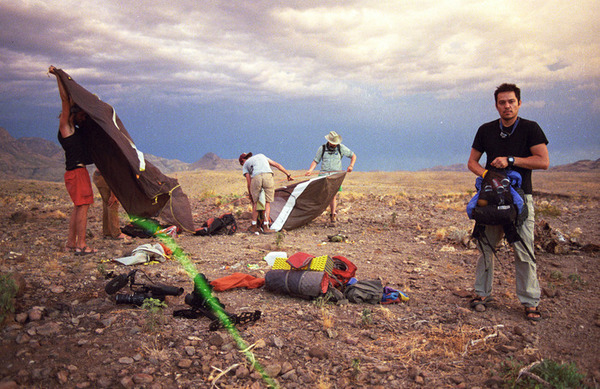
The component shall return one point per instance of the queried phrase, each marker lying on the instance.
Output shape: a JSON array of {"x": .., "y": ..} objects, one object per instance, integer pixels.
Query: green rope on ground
[{"x": 205, "y": 289}]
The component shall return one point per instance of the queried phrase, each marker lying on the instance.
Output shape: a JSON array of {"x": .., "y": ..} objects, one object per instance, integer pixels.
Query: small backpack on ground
[
  {"x": 137, "y": 228},
  {"x": 343, "y": 271},
  {"x": 225, "y": 224},
  {"x": 369, "y": 291}
]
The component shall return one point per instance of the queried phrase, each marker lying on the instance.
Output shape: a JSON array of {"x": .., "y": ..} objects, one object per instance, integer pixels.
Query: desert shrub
[
  {"x": 576, "y": 280},
  {"x": 207, "y": 194},
  {"x": 366, "y": 317},
  {"x": 322, "y": 301},
  {"x": 8, "y": 291},
  {"x": 458, "y": 235},
  {"x": 548, "y": 210},
  {"x": 154, "y": 309},
  {"x": 102, "y": 270},
  {"x": 355, "y": 364},
  {"x": 557, "y": 375},
  {"x": 279, "y": 236},
  {"x": 453, "y": 234}
]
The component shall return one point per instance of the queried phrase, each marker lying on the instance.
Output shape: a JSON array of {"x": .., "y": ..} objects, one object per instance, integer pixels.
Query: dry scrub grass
[
  {"x": 392, "y": 187},
  {"x": 356, "y": 185},
  {"x": 399, "y": 225}
]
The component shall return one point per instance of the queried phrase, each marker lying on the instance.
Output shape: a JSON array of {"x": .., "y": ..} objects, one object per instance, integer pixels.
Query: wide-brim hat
[
  {"x": 243, "y": 157},
  {"x": 334, "y": 138}
]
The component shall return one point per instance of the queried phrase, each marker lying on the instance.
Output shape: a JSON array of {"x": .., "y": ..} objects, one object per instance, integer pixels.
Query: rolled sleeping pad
[{"x": 295, "y": 282}]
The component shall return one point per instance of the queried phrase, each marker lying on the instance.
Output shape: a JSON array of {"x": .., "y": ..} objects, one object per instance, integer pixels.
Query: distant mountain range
[
  {"x": 459, "y": 167},
  {"x": 579, "y": 166},
  {"x": 40, "y": 159}
]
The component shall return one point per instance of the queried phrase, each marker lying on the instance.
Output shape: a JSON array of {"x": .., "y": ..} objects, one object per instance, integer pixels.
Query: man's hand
[
  {"x": 350, "y": 168},
  {"x": 112, "y": 200},
  {"x": 500, "y": 162},
  {"x": 308, "y": 173}
]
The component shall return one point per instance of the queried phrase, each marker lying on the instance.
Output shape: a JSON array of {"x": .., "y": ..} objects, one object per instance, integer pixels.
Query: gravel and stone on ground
[{"x": 67, "y": 332}]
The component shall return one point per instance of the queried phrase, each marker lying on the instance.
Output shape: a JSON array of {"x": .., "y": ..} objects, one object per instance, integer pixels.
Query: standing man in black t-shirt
[{"x": 519, "y": 144}]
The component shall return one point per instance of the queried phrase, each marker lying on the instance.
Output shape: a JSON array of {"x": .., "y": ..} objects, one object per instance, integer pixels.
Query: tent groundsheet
[{"x": 298, "y": 204}]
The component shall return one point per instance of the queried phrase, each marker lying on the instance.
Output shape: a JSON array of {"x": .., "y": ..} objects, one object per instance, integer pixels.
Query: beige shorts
[{"x": 263, "y": 181}]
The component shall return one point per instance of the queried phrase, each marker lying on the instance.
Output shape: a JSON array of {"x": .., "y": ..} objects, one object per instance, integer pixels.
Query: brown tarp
[
  {"x": 300, "y": 203},
  {"x": 139, "y": 186}
]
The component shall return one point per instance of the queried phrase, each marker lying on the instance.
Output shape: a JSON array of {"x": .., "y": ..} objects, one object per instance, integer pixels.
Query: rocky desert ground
[{"x": 408, "y": 229}]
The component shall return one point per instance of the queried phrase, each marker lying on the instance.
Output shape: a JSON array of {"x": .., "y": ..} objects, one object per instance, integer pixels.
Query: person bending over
[{"x": 259, "y": 176}]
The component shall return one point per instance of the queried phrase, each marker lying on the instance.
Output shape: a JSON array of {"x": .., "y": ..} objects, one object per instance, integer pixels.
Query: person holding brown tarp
[
  {"x": 142, "y": 190},
  {"x": 77, "y": 178},
  {"x": 330, "y": 156}
]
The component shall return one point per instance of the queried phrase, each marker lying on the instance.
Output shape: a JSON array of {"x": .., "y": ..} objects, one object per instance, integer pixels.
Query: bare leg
[
  {"x": 72, "y": 237},
  {"x": 254, "y": 212},
  {"x": 80, "y": 216},
  {"x": 333, "y": 207},
  {"x": 267, "y": 213}
]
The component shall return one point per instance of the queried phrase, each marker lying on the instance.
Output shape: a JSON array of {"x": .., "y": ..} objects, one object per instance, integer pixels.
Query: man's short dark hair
[
  {"x": 243, "y": 157},
  {"x": 508, "y": 88}
]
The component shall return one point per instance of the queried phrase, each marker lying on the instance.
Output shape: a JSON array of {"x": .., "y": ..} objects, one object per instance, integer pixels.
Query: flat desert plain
[{"x": 408, "y": 229}]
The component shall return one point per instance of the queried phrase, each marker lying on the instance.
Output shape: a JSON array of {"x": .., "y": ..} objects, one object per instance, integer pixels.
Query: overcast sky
[{"x": 406, "y": 83}]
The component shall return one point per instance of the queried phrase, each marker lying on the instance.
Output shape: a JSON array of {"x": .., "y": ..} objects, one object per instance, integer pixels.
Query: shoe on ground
[
  {"x": 267, "y": 230},
  {"x": 333, "y": 217},
  {"x": 533, "y": 314},
  {"x": 481, "y": 303},
  {"x": 254, "y": 229}
]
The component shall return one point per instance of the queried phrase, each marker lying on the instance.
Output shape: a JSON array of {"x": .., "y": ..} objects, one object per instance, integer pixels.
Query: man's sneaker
[
  {"x": 267, "y": 230},
  {"x": 254, "y": 229}
]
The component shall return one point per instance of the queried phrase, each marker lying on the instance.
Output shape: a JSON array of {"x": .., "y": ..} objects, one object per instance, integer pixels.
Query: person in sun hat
[
  {"x": 259, "y": 176},
  {"x": 330, "y": 156}
]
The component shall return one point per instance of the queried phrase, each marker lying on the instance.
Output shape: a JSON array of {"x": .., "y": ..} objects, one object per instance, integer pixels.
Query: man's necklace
[{"x": 503, "y": 133}]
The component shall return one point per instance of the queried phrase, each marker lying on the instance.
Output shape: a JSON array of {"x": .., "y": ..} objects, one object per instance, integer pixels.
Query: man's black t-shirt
[{"x": 526, "y": 134}]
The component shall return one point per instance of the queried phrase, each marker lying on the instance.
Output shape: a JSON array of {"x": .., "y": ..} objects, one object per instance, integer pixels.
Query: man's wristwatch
[{"x": 511, "y": 161}]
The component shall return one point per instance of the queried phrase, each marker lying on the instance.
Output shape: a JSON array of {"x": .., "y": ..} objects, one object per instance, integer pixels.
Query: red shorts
[{"x": 79, "y": 186}]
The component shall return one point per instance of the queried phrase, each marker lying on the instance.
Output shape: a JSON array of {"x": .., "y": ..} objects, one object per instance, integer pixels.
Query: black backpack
[
  {"x": 496, "y": 202},
  {"x": 225, "y": 224},
  {"x": 337, "y": 148},
  {"x": 500, "y": 201},
  {"x": 139, "y": 230}
]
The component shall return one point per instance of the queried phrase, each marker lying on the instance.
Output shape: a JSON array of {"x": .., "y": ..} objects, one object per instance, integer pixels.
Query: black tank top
[{"x": 74, "y": 151}]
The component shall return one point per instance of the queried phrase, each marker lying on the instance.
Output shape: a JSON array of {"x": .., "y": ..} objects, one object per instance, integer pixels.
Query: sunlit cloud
[{"x": 363, "y": 53}]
